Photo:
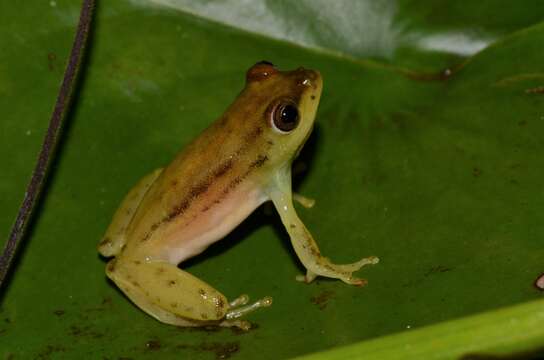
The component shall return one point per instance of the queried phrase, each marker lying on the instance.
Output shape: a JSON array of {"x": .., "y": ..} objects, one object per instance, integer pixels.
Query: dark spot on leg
[
  {"x": 146, "y": 236},
  {"x": 171, "y": 282},
  {"x": 292, "y": 226},
  {"x": 327, "y": 266},
  {"x": 313, "y": 97},
  {"x": 137, "y": 262},
  {"x": 111, "y": 266}
]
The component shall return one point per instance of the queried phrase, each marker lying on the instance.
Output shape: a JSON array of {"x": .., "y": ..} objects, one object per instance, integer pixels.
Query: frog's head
[{"x": 278, "y": 107}]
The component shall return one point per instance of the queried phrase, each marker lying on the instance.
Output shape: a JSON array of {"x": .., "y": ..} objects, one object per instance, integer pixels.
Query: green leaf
[
  {"x": 421, "y": 34},
  {"x": 439, "y": 176}
]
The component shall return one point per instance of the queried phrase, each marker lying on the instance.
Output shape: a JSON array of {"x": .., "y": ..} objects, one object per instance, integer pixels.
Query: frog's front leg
[
  {"x": 176, "y": 297},
  {"x": 303, "y": 242}
]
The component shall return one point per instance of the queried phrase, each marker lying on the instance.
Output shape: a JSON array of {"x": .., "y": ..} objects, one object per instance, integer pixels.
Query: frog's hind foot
[
  {"x": 239, "y": 301},
  {"x": 238, "y": 307},
  {"x": 240, "y": 324}
]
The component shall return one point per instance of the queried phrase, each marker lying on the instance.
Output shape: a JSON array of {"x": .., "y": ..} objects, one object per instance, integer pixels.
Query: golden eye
[{"x": 285, "y": 117}]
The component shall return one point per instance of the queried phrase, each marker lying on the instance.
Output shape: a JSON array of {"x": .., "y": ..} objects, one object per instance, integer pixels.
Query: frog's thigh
[
  {"x": 114, "y": 239},
  {"x": 166, "y": 292}
]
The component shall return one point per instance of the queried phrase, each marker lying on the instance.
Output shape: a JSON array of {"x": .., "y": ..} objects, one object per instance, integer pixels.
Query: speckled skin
[{"x": 236, "y": 164}]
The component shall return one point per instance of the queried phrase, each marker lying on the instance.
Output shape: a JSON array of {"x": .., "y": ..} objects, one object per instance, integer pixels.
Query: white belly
[{"x": 185, "y": 241}]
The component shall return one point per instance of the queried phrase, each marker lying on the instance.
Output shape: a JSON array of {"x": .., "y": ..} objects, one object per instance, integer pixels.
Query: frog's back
[{"x": 206, "y": 183}]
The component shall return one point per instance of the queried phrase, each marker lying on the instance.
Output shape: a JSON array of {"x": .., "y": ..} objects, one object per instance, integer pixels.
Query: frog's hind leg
[
  {"x": 114, "y": 239},
  {"x": 176, "y": 297}
]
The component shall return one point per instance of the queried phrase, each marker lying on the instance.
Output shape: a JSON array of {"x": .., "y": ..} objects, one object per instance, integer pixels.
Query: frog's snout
[
  {"x": 307, "y": 77},
  {"x": 309, "y": 74}
]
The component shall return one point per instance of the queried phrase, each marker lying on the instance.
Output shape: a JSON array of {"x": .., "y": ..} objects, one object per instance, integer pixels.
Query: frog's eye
[
  {"x": 285, "y": 116},
  {"x": 261, "y": 71}
]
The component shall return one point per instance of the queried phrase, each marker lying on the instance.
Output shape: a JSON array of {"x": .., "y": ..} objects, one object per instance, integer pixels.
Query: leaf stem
[{"x": 50, "y": 142}]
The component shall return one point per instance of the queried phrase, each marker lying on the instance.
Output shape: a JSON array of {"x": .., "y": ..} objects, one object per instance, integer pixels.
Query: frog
[{"x": 239, "y": 162}]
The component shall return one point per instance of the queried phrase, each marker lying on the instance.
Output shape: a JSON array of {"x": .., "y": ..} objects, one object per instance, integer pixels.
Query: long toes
[
  {"x": 240, "y": 324},
  {"x": 356, "y": 281},
  {"x": 359, "y": 264},
  {"x": 240, "y": 300},
  {"x": 371, "y": 260},
  {"x": 241, "y": 311}
]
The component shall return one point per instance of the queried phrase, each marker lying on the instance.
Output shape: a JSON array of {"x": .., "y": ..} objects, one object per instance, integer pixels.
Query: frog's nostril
[
  {"x": 308, "y": 77},
  {"x": 312, "y": 74}
]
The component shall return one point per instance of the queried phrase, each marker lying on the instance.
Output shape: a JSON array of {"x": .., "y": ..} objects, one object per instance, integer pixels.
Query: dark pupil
[{"x": 289, "y": 117}]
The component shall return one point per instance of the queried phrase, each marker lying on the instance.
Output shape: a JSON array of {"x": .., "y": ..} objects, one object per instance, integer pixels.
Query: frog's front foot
[
  {"x": 371, "y": 260},
  {"x": 343, "y": 272}
]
